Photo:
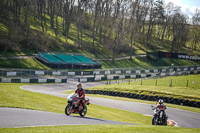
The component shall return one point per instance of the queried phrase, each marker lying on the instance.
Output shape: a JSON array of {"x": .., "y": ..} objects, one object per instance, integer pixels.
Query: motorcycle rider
[
  {"x": 81, "y": 93},
  {"x": 161, "y": 106}
]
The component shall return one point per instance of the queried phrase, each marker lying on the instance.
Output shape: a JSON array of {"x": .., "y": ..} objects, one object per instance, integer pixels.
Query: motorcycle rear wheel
[
  {"x": 68, "y": 109},
  {"x": 165, "y": 122},
  {"x": 83, "y": 112}
]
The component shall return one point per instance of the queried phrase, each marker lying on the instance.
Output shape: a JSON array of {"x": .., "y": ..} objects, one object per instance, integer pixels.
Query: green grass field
[
  {"x": 101, "y": 129},
  {"x": 12, "y": 96},
  {"x": 179, "y": 87}
]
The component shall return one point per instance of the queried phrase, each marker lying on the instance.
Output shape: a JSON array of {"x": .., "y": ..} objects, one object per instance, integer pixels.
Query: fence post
[
  {"x": 141, "y": 82},
  {"x": 187, "y": 84},
  {"x": 129, "y": 81},
  {"x": 171, "y": 83},
  {"x": 156, "y": 82}
]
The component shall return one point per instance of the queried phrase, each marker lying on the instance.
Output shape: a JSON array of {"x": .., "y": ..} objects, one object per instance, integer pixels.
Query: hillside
[
  {"x": 28, "y": 27},
  {"x": 32, "y": 39}
]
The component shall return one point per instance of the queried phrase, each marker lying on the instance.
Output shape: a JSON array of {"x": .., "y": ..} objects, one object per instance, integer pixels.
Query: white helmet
[
  {"x": 160, "y": 101},
  {"x": 79, "y": 83}
]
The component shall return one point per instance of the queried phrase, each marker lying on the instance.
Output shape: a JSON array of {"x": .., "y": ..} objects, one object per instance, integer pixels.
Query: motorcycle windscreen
[{"x": 71, "y": 96}]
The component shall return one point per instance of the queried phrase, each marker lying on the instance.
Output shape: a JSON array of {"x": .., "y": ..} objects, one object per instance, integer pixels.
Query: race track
[
  {"x": 15, "y": 117},
  {"x": 183, "y": 118}
]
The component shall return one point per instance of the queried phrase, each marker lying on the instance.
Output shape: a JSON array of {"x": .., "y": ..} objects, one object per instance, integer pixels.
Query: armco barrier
[
  {"x": 146, "y": 97},
  {"x": 32, "y": 80},
  {"x": 114, "y": 77},
  {"x": 28, "y": 72}
]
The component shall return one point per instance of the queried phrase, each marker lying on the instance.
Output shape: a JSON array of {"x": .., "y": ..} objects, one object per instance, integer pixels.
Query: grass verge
[
  {"x": 149, "y": 87},
  {"x": 102, "y": 129}
]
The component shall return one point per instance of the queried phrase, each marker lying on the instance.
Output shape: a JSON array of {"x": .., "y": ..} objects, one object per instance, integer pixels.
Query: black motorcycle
[{"x": 159, "y": 117}]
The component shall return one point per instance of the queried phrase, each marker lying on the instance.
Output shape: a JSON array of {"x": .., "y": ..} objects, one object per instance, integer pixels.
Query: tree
[
  {"x": 68, "y": 15},
  {"x": 155, "y": 16},
  {"x": 80, "y": 22},
  {"x": 195, "y": 30},
  {"x": 170, "y": 9},
  {"x": 179, "y": 31},
  {"x": 96, "y": 13}
]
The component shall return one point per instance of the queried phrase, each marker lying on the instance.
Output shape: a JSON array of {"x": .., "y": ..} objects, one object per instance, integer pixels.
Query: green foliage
[{"x": 3, "y": 28}]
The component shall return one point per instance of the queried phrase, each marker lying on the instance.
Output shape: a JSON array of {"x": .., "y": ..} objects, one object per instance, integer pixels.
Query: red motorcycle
[{"x": 75, "y": 105}]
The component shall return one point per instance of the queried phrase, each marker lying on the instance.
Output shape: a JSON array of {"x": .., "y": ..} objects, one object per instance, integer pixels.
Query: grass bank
[
  {"x": 160, "y": 87},
  {"x": 29, "y": 63},
  {"x": 135, "y": 62},
  {"x": 143, "y": 63}
]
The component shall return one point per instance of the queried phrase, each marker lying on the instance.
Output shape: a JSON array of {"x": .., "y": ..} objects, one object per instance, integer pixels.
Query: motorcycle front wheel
[
  {"x": 83, "y": 112},
  {"x": 153, "y": 121},
  {"x": 68, "y": 109}
]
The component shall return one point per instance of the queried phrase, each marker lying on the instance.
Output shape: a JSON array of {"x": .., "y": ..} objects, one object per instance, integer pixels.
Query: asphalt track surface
[
  {"x": 15, "y": 117},
  {"x": 181, "y": 117}
]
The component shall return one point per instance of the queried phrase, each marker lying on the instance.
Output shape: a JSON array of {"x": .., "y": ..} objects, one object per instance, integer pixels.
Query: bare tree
[
  {"x": 170, "y": 9},
  {"x": 195, "y": 30},
  {"x": 68, "y": 15},
  {"x": 179, "y": 31}
]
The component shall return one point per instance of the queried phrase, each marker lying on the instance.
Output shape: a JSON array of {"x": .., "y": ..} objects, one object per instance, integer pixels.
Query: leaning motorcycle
[
  {"x": 159, "y": 117},
  {"x": 76, "y": 105}
]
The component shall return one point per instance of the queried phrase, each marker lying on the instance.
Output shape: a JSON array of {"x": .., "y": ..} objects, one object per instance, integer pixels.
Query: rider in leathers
[
  {"x": 81, "y": 93},
  {"x": 161, "y": 106}
]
